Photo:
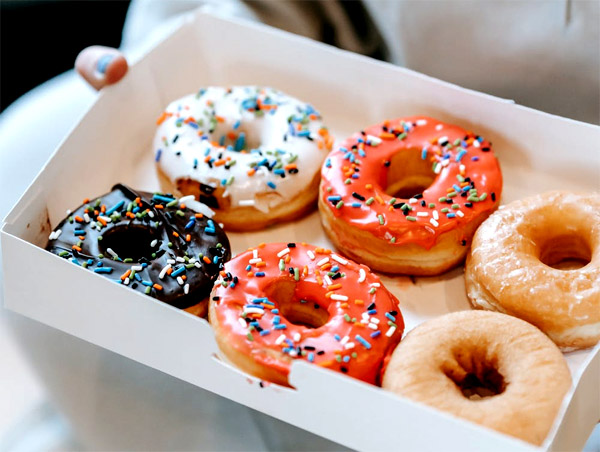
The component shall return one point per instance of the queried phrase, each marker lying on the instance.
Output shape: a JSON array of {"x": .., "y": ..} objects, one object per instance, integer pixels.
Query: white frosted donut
[
  {"x": 514, "y": 265},
  {"x": 252, "y": 154},
  {"x": 490, "y": 368}
]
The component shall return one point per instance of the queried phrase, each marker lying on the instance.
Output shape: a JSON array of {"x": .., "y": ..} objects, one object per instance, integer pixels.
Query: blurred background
[{"x": 40, "y": 39}]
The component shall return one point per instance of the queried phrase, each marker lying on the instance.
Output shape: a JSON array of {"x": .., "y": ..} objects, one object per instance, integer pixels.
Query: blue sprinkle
[
  {"x": 279, "y": 171},
  {"x": 99, "y": 264},
  {"x": 224, "y": 182},
  {"x": 236, "y": 124},
  {"x": 193, "y": 125},
  {"x": 304, "y": 133},
  {"x": 147, "y": 283},
  {"x": 158, "y": 153},
  {"x": 390, "y": 316},
  {"x": 346, "y": 358},
  {"x": 328, "y": 163},
  {"x": 456, "y": 188},
  {"x": 254, "y": 324},
  {"x": 162, "y": 198},
  {"x": 232, "y": 285},
  {"x": 136, "y": 210},
  {"x": 195, "y": 163},
  {"x": 272, "y": 185},
  {"x": 103, "y": 270},
  {"x": 292, "y": 131},
  {"x": 334, "y": 198},
  {"x": 311, "y": 357},
  {"x": 460, "y": 155},
  {"x": 467, "y": 188},
  {"x": 248, "y": 268},
  {"x": 138, "y": 278},
  {"x": 355, "y": 176},
  {"x": 75, "y": 261},
  {"x": 424, "y": 153},
  {"x": 474, "y": 159},
  {"x": 79, "y": 232},
  {"x": 362, "y": 341},
  {"x": 263, "y": 162},
  {"x": 114, "y": 208},
  {"x": 372, "y": 312},
  {"x": 260, "y": 274},
  {"x": 178, "y": 272},
  {"x": 206, "y": 152},
  {"x": 275, "y": 311},
  {"x": 289, "y": 342},
  {"x": 215, "y": 259},
  {"x": 265, "y": 332},
  {"x": 334, "y": 269},
  {"x": 240, "y": 143},
  {"x": 450, "y": 215},
  {"x": 222, "y": 140},
  {"x": 362, "y": 153},
  {"x": 281, "y": 326},
  {"x": 480, "y": 139},
  {"x": 375, "y": 333},
  {"x": 260, "y": 300},
  {"x": 90, "y": 262},
  {"x": 276, "y": 319},
  {"x": 337, "y": 337},
  {"x": 191, "y": 223},
  {"x": 360, "y": 140}
]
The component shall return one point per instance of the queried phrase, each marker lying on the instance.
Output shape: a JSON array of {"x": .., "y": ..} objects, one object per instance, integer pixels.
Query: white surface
[{"x": 437, "y": 286}]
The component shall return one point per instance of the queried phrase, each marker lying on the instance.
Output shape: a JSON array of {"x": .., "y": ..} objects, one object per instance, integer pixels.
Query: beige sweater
[{"x": 541, "y": 54}]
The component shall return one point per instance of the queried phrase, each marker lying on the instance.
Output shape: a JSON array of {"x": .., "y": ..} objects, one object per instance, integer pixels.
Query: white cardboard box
[{"x": 112, "y": 143}]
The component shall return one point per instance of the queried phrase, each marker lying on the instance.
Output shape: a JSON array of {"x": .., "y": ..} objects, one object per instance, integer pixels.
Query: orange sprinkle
[
  {"x": 76, "y": 248},
  {"x": 206, "y": 260},
  {"x": 328, "y": 294},
  {"x": 231, "y": 135},
  {"x": 103, "y": 208},
  {"x": 290, "y": 166},
  {"x": 387, "y": 136},
  {"x": 176, "y": 234},
  {"x": 78, "y": 219},
  {"x": 86, "y": 200},
  {"x": 359, "y": 302},
  {"x": 82, "y": 237},
  {"x": 157, "y": 286},
  {"x": 250, "y": 274},
  {"x": 198, "y": 215},
  {"x": 326, "y": 266},
  {"x": 223, "y": 273},
  {"x": 182, "y": 206},
  {"x": 220, "y": 162},
  {"x": 162, "y": 118},
  {"x": 125, "y": 275},
  {"x": 335, "y": 286},
  {"x": 219, "y": 118},
  {"x": 103, "y": 221},
  {"x": 344, "y": 305},
  {"x": 169, "y": 271},
  {"x": 251, "y": 172},
  {"x": 261, "y": 245},
  {"x": 184, "y": 277},
  {"x": 261, "y": 264},
  {"x": 188, "y": 238},
  {"x": 369, "y": 186}
]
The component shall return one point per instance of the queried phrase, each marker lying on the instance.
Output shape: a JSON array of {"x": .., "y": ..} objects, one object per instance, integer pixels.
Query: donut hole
[
  {"x": 243, "y": 138},
  {"x": 475, "y": 375},
  {"x": 298, "y": 311},
  {"x": 408, "y": 174},
  {"x": 565, "y": 252},
  {"x": 128, "y": 241}
]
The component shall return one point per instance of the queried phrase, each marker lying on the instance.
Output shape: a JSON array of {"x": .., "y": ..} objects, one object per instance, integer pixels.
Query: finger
[{"x": 101, "y": 66}]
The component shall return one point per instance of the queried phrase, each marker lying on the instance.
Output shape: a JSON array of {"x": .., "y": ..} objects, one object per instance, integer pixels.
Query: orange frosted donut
[
  {"x": 406, "y": 196},
  {"x": 280, "y": 302},
  {"x": 517, "y": 265}
]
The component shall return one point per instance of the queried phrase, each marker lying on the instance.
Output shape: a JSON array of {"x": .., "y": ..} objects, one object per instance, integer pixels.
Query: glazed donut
[
  {"x": 489, "y": 368},
  {"x": 252, "y": 154},
  {"x": 514, "y": 265},
  {"x": 281, "y": 302},
  {"x": 152, "y": 243},
  {"x": 406, "y": 196}
]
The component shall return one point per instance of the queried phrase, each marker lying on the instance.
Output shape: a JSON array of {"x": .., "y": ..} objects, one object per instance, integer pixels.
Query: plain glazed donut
[
  {"x": 279, "y": 302},
  {"x": 406, "y": 196},
  {"x": 512, "y": 267},
  {"x": 251, "y": 154},
  {"x": 155, "y": 244},
  {"x": 521, "y": 373}
]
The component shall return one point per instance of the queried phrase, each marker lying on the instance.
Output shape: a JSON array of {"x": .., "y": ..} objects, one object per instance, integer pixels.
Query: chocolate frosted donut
[{"x": 153, "y": 243}]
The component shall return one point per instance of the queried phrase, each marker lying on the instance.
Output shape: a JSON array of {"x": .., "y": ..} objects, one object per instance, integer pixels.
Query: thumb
[{"x": 101, "y": 66}]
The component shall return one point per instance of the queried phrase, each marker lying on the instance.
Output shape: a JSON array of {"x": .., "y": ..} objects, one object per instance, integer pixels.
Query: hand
[{"x": 101, "y": 66}]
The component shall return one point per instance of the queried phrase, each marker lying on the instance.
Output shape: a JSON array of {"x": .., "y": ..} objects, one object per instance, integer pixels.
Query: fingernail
[{"x": 103, "y": 63}]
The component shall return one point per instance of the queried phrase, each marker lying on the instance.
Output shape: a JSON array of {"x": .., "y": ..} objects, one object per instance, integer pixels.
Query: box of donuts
[{"x": 364, "y": 252}]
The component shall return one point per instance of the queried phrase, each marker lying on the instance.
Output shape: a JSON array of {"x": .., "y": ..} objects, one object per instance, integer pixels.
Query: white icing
[{"x": 264, "y": 135}]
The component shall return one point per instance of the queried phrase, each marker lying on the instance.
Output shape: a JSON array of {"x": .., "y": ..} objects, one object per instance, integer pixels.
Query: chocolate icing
[{"x": 133, "y": 227}]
